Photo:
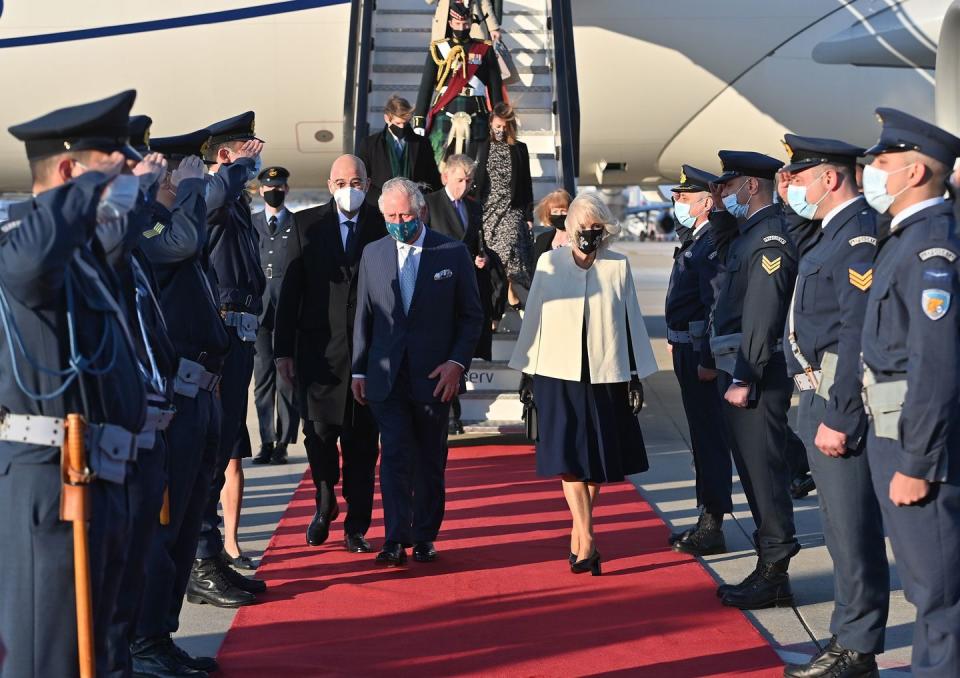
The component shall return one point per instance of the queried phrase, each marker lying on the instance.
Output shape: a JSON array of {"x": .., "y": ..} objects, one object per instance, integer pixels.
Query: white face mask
[
  {"x": 735, "y": 208},
  {"x": 349, "y": 199},
  {"x": 797, "y": 197},
  {"x": 684, "y": 213},
  {"x": 875, "y": 188},
  {"x": 119, "y": 198}
]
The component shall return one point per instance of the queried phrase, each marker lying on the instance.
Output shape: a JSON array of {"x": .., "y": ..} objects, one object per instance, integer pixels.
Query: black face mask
[
  {"x": 274, "y": 198},
  {"x": 397, "y": 131},
  {"x": 559, "y": 221},
  {"x": 589, "y": 241},
  {"x": 460, "y": 36}
]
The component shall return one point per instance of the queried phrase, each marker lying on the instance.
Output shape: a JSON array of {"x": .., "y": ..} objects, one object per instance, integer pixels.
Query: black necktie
[
  {"x": 351, "y": 233},
  {"x": 273, "y": 224}
]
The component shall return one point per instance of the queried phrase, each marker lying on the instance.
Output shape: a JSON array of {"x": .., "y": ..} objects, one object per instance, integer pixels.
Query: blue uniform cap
[
  {"x": 747, "y": 164},
  {"x": 274, "y": 176},
  {"x": 139, "y": 126},
  {"x": 694, "y": 180},
  {"x": 238, "y": 128},
  {"x": 903, "y": 132},
  {"x": 184, "y": 145},
  {"x": 806, "y": 152},
  {"x": 97, "y": 126}
]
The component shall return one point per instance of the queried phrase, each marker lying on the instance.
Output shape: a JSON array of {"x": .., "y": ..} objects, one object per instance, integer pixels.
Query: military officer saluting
[
  {"x": 911, "y": 377},
  {"x": 66, "y": 347},
  {"x": 822, "y": 346},
  {"x": 461, "y": 84},
  {"x": 758, "y": 270},
  {"x": 274, "y": 397},
  {"x": 689, "y": 300}
]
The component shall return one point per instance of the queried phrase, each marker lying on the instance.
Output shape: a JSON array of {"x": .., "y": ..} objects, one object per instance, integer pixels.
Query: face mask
[
  {"x": 559, "y": 221},
  {"x": 397, "y": 131},
  {"x": 589, "y": 241},
  {"x": 460, "y": 36},
  {"x": 119, "y": 198},
  {"x": 498, "y": 134},
  {"x": 404, "y": 230},
  {"x": 875, "y": 188},
  {"x": 797, "y": 198},
  {"x": 349, "y": 199},
  {"x": 682, "y": 213},
  {"x": 257, "y": 166},
  {"x": 274, "y": 198},
  {"x": 735, "y": 208}
]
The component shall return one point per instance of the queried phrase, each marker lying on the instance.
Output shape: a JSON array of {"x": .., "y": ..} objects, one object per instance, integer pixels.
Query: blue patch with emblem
[{"x": 935, "y": 303}]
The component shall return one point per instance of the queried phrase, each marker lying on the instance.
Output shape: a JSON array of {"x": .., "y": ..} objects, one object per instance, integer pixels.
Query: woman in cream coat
[{"x": 584, "y": 342}]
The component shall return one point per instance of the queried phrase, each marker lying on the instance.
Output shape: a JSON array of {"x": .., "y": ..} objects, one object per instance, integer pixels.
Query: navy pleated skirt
[{"x": 587, "y": 431}]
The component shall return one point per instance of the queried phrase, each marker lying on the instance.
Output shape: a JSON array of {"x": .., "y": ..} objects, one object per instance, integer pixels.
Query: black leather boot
[
  {"x": 835, "y": 661},
  {"x": 724, "y": 589},
  {"x": 802, "y": 485},
  {"x": 279, "y": 454},
  {"x": 707, "y": 539},
  {"x": 154, "y": 658},
  {"x": 248, "y": 584},
  {"x": 770, "y": 588},
  {"x": 264, "y": 455},
  {"x": 209, "y": 586}
]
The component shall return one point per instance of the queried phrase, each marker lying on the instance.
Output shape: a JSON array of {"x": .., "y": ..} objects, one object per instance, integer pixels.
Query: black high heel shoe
[
  {"x": 572, "y": 558},
  {"x": 591, "y": 565}
]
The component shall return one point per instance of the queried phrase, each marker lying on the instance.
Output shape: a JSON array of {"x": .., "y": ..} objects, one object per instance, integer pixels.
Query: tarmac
[{"x": 668, "y": 486}]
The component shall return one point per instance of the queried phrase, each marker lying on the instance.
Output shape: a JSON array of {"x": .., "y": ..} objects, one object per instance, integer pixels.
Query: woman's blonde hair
[
  {"x": 506, "y": 112},
  {"x": 586, "y": 210},
  {"x": 557, "y": 198}
]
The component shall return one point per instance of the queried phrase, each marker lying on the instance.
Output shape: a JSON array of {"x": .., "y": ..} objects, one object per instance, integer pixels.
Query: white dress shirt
[{"x": 837, "y": 210}]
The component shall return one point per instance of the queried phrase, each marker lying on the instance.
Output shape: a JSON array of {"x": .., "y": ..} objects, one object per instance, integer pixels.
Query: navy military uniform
[
  {"x": 822, "y": 346},
  {"x": 274, "y": 398},
  {"x": 235, "y": 264},
  {"x": 59, "y": 302},
  {"x": 758, "y": 270},
  {"x": 911, "y": 376},
  {"x": 689, "y": 300}
]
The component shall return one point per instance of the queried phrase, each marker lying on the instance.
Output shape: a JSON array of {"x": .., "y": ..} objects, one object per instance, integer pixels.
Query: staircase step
[
  {"x": 419, "y": 37},
  {"x": 492, "y": 375},
  {"x": 494, "y": 427},
  {"x": 503, "y": 345},
  {"x": 412, "y": 74},
  {"x": 491, "y": 406},
  {"x": 417, "y": 56},
  {"x": 513, "y": 21},
  {"x": 418, "y": 69}
]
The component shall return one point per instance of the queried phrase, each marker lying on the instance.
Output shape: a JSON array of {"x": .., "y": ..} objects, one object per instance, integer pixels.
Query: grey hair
[
  {"x": 588, "y": 209},
  {"x": 407, "y": 188},
  {"x": 460, "y": 161}
]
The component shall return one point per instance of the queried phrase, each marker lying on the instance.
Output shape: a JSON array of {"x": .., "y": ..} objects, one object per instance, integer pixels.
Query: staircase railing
[
  {"x": 356, "y": 94},
  {"x": 567, "y": 102}
]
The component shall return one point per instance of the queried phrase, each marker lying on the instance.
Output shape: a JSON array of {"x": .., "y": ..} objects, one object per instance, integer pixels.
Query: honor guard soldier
[
  {"x": 234, "y": 151},
  {"x": 274, "y": 397},
  {"x": 911, "y": 377},
  {"x": 689, "y": 300},
  {"x": 758, "y": 271},
  {"x": 174, "y": 243},
  {"x": 66, "y": 349},
  {"x": 822, "y": 346},
  {"x": 461, "y": 84}
]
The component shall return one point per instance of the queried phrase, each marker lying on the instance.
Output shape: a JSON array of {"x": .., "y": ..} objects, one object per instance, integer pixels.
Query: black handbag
[{"x": 530, "y": 419}]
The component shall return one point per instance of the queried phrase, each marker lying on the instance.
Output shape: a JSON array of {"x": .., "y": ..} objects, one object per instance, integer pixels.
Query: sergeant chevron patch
[
  {"x": 771, "y": 266},
  {"x": 155, "y": 231},
  {"x": 861, "y": 281}
]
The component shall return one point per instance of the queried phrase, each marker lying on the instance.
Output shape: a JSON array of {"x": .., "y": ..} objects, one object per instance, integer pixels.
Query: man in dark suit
[
  {"x": 396, "y": 151},
  {"x": 313, "y": 341},
  {"x": 418, "y": 322},
  {"x": 275, "y": 408}
]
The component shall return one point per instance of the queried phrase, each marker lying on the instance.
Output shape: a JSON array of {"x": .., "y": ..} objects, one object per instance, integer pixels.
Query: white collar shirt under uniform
[{"x": 837, "y": 210}]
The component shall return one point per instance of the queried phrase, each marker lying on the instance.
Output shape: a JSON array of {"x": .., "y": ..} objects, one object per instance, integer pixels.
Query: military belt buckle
[{"x": 268, "y": 272}]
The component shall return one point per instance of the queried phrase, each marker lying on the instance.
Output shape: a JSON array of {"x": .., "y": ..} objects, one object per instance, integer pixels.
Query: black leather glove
[
  {"x": 526, "y": 388},
  {"x": 635, "y": 395}
]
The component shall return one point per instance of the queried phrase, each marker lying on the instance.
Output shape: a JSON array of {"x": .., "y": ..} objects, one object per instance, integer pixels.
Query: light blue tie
[{"x": 408, "y": 280}]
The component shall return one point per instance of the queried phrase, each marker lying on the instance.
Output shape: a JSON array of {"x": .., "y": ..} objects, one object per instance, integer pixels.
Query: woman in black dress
[{"x": 584, "y": 341}]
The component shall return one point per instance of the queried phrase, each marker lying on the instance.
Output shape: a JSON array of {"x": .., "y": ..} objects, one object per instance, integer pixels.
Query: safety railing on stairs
[
  {"x": 359, "y": 53},
  {"x": 566, "y": 91}
]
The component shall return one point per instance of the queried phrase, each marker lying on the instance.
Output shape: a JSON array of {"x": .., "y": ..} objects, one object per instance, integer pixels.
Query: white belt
[
  {"x": 246, "y": 324},
  {"x": 191, "y": 377},
  {"x": 808, "y": 381},
  {"x": 678, "y": 337},
  {"x": 158, "y": 419}
]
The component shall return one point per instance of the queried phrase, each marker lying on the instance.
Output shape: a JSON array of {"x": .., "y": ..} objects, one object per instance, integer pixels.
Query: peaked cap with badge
[
  {"x": 904, "y": 132},
  {"x": 747, "y": 164},
  {"x": 806, "y": 152},
  {"x": 238, "y": 128},
  {"x": 183, "y": 145},
  {"x": 694, "y": 180},
  {"x": 274, "y": 176}
]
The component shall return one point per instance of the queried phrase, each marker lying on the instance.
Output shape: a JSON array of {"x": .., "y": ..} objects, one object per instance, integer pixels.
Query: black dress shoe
[
  {"x": 209, "y": 586},
  {"x": 771, "y": 588},
  {"x": 724, "y": 589},
  {"x": 572, "y": 558},
  {"x": 241, "y": 562},
  {"x": 208, "y": 664},
  {"x": 835, "y": 661},
  {"x": 677, "y": 536},
  {"x": 455, "y": 427},
  {"x": 279, "y": 457},
  {"x": 355, "y": 543},
  {"x": 591, "y": 565},
  {"x": 706, "y": 540},
  {"x": 424, "y": 552},
  {"x": 248, "y": 584},
  {"x": 159, "y": 656},
  {"x": 263, "y": 456},
  {"x": 802, "y": 485},
  {"x": 392, "y": 555},
  {"x": 319, "y": 528}
]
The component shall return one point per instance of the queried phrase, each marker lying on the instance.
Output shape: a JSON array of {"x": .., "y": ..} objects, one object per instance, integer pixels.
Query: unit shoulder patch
[
  {"x": 935, "y": 303},
  {"x": 942, "y": 252},
  {"x": 775, "y": 238},
  {"x": 9, "y": 226},
  {"x": 863, "y": 240},
  {"x": 157, "y": 229},
  {"x": 712, "y": 255},
  {"x": 861, "y": 276},
  {"x": 769, "y": 265}
]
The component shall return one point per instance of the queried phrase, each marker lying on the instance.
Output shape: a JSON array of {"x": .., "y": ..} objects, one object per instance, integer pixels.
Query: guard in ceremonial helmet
[
  {"x": 66, "y": 348},
  {"x": 822, "y": 347},
  {"x": 911, "y": 376},
  {"x": 461, "y": 84},
  {"x": 689, "y": 300}
]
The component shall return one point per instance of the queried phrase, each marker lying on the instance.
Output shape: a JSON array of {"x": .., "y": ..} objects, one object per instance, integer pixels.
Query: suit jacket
[
  {"x": 273, "y": 259},
  {"x": 374, "y": 152},
  {"x": 443, "y": 322},
  {"x": 314, "y": 318},
  {"x": 521, "y": 183}
]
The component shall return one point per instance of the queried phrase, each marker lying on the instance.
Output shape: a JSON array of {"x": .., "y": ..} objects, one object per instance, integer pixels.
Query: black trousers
[
  {"x": 711, "y": 453},
  {"x": 358, "y": 437},
  {"x": 273, "y": 397},
  {"x": 758, "y": 438},
  {"x": 797, "y": 454},
  {"x": 853, "y": 531}
]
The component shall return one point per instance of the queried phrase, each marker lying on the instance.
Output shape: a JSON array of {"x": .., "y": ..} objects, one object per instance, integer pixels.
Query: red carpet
[{"x": 501, "y": 601}]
